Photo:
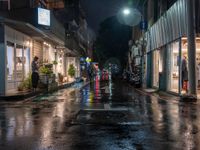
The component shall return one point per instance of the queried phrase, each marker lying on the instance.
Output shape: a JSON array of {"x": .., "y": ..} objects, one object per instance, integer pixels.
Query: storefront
[
  {"x": 19, "y": 51},
  {"x": 75, "y": 61},
  {"x": 18, "y": 57},
  {"x": 176, "y": 60},
  {"x": 173, "y": 52},
  {"x": 21, "y": 40},
  {"x": 167, "y": 52},
  {"x": 60, "y": 59}
]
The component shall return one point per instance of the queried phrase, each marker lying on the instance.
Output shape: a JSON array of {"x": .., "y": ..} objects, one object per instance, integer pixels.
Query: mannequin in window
[{"x": 184, "y": 74}]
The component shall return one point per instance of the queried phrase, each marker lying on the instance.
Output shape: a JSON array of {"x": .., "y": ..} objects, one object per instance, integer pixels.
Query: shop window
[
  {"x": 46, "y": 54},
  {"x": 18, "y": 65},
  {"x": 10, "y": 66},
  {"x": 26, "y": 61},
  {"x": 185, "y": 54},
  {"x": 173, "y": 50}
]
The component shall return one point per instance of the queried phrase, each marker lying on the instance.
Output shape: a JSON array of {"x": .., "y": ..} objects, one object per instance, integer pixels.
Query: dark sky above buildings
[{"x": 98, "y": 10}]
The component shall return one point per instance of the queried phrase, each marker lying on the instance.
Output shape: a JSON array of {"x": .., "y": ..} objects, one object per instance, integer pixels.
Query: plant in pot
[
  {"x": 45, "y": 74},
  {"x": 71, "y": 70},
  {"x": 45, "y": 70},
  {"x": 60, "y": 78},
  {"x": 55, "y": 62},
  {"x": 26, "y": 84},
  {"x": 20, "y": 87}
]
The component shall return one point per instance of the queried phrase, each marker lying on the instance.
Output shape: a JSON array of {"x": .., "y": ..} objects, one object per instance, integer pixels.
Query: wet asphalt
[{"x": 107, "y": 115}]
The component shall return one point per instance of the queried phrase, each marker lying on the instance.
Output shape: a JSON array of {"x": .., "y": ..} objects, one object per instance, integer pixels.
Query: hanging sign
[{"x": 44, "y": 17}]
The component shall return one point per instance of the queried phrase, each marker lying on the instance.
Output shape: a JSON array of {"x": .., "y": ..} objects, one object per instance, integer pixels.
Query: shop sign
[
  {"x": 143, "y": 25},
  {"x": 44, "y": 17}
]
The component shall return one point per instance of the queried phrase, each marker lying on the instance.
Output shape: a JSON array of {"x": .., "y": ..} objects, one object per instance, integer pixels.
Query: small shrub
[
  {"x": 26, "y": 84},
  {"x": 45, "y": 70},
  {"x": 55, "y": 62},
  {"x": 71, "y": 70}
]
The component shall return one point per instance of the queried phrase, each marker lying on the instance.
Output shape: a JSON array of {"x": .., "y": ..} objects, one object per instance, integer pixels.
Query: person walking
[{"x": 35, "y": 74}]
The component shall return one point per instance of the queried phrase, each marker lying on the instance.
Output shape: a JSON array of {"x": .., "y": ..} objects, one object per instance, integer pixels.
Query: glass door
[
  {"x": 10, "y": 66},
  {"x": 19, "y": 64},
  {"x": 173, "y": 63},
  {"x": 26, "y": 61}
]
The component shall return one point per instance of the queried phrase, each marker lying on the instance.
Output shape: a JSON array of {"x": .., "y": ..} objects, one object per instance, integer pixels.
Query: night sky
[{"x": 98, "y": 10}]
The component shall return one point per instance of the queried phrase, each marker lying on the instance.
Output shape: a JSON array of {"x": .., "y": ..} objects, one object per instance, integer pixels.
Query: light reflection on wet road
[{"x": 100, "y": 116}]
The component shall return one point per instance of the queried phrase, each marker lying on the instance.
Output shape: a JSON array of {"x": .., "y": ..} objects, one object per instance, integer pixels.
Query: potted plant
[
  {"x": 60, "y": 78},
  {"x": 20, "y": 87},
  {"x": 55, "y": 62},
  {"x": 46, "y": 73},
  {"x": 71, "y": 70},
  {"x": 26, "y": 84}
]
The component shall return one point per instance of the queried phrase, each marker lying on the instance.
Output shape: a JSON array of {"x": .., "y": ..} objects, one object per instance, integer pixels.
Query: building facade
[
  {"x": 170, "y": 40},
  {"x": 172, "y": 36},
  {"x": 22, "y": 38}
]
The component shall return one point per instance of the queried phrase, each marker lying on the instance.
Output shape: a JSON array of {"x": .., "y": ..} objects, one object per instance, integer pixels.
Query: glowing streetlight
[
  {"x": 126, "y": 11},
  {"x": 129, "y": 16}
]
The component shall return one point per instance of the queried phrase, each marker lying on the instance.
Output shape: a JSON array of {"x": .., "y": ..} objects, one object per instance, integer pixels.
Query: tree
[
  {"x": 112, "y": 41},
  {"x": 71, "y": 70}
]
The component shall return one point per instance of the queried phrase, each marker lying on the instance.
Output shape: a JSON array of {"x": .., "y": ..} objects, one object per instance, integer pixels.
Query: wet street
[{"x": 99, "y": 116}]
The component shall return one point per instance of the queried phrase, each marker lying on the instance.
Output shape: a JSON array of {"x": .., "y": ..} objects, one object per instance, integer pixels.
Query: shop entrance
[
  {"x": 18, "y": 65},
  {"x": 185, "y": 58},
  {"x": 178, "y": 66},
  {"x": 173, "y": 62}
]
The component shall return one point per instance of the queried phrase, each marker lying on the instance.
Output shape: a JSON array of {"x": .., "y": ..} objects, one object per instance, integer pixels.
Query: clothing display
[{"x": 184, "y": 72}]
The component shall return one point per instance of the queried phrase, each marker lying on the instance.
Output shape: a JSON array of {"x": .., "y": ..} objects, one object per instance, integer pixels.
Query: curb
[
  {"x": 157, "y": 95},
  {"x": 34, "y": 94}
]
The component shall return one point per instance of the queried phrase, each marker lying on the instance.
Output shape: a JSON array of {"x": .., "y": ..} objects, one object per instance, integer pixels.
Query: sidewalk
[
  {"x": 159, "y": 94},
  {"x": 28, "y": 94},
  {"x": 166, "y": 95}
]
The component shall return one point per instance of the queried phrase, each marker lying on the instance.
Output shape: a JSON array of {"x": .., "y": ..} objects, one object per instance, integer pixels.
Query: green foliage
[
  {"x": 55, "y": 62},
  {"x": 26, "y": 84},
  {"x": 71, "y": 70},
  {"x": 45, "y": 70}
]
